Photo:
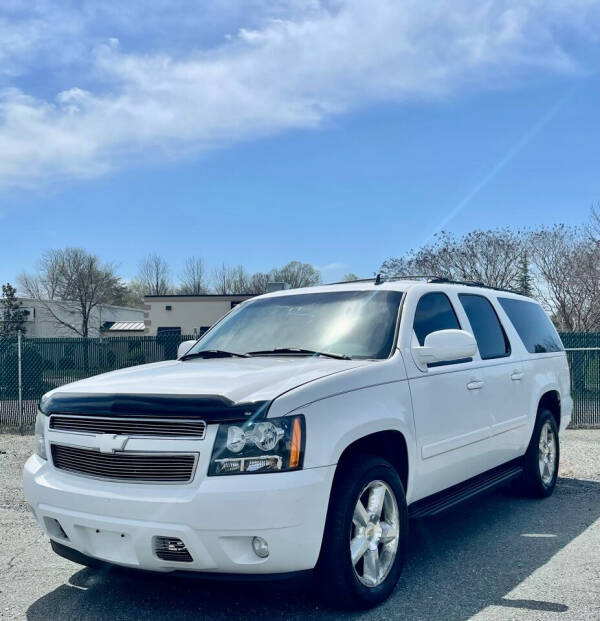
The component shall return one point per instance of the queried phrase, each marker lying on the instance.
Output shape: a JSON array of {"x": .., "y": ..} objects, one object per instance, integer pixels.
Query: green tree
[
  {"x": 12, "y": 317},
  {"x": 524, "y": 282},
  {"x": 350, "y": 276}
]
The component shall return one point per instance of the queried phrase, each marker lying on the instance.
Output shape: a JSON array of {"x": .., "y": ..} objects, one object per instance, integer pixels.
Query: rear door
[{"x": 503, "y": 375}]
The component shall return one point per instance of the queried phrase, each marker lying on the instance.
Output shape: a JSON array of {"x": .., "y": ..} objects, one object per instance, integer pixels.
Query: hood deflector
[{"x": 210, "y": 408}]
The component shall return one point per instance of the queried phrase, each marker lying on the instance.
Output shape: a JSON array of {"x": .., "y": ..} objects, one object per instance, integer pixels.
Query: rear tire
[
  {"x": 542, "y": 458},
  {"x": 366, "y": 531}
]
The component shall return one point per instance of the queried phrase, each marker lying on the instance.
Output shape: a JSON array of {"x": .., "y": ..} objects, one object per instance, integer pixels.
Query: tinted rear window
[
  {"x": 533, "y": 326},
  {"x": 489, "y": 333}
]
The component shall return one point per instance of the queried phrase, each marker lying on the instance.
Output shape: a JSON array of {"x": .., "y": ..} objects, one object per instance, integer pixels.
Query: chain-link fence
[
  {"x": 583, "y": 352},
  {"x": 29, "y": 367}
]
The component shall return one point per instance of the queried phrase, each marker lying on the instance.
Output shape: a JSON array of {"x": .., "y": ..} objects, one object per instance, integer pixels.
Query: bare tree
[
  {"x": 154, "y": 275},
  {"x": 567, "y": 276},
  {"x": 296, "y": 274},
  {"x": 70, "y": 285},
  {"x": 193, "y": 277},
  {"x": 228, "y": 280},
  {"x": 132, "y": 294},
  {"x": 259, "y": 281},
  {"x": 493, "y": 258},
  {"x": 232, "y": 280},
  {"x": 593, "y": 225}
]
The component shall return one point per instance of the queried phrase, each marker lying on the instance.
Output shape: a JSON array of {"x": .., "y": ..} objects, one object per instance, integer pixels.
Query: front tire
[
  {"x": 366, "y": 531},
  {"x": 542, "y": 458}
]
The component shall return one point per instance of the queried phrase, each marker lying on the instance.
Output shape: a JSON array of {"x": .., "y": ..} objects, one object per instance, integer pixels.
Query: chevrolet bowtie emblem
[{"x": 111, "y": 442}]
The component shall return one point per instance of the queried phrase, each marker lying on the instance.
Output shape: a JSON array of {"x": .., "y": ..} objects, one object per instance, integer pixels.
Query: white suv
[{"x": 302, "y": 432}]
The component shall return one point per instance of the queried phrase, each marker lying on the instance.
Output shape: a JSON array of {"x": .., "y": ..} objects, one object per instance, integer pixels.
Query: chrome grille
[
  {"x": 130, "y": 426},
  {"x": 124, "y": 466},
  {"x": 172, "y": 549}
]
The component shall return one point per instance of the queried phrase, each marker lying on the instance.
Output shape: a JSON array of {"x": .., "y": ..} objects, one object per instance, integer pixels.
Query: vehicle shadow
[{"x": 459, "y": 563}]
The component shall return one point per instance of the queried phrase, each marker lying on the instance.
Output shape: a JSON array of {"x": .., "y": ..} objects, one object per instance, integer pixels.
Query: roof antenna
[{"x": 378, "y": 280}]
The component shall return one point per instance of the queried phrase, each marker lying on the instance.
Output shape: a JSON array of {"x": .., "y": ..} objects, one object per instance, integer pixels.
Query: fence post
[{"x": 20, "y": 370}]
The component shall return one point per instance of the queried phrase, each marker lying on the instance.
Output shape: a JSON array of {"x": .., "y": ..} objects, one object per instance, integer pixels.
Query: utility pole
[{"x": 20, "y": 371}]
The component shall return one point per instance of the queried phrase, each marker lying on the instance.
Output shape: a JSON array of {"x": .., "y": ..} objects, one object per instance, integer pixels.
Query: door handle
[
  {"x": 516, "y": 375},
  {"x": 475, "y": 385}
]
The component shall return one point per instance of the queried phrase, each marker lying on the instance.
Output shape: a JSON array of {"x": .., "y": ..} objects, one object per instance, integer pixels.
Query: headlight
[
  {"x": 40, "y": 435},
  {"x": 271, "y": 445}
]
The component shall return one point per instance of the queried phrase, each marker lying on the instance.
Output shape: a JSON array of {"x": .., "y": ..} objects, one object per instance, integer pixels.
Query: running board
[{"x": 432, "y": 505}]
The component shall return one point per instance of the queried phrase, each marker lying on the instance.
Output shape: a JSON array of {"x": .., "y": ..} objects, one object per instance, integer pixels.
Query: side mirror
[
  {"x": 184, "y": 348},
  {"x": 444, "y": 346}
]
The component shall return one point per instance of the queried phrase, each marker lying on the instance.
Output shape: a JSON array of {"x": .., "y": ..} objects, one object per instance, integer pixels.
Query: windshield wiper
[
  {"x": 298, "y": 350},
  {"x": 212, "y": 353}
]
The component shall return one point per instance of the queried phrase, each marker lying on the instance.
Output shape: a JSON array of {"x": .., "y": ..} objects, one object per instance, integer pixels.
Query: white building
[
  {"x": 42, "y": 319},
  {"x": 186, "y": 314}
]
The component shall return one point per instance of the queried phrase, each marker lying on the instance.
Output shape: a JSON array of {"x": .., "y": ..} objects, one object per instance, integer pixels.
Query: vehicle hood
[{"x": 230, "y": 381}]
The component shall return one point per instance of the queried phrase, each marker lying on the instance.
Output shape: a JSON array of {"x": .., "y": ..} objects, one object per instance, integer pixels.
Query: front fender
[{"x": 335, "y": 422}]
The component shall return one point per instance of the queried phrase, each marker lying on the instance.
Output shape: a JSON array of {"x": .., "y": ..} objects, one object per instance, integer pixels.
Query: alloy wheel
[
  {"x": 375, "y": 533},
  {"x": 547, "y": 453}
]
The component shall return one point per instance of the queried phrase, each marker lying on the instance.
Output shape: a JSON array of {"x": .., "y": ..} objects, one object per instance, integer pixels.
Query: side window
[
  {"x": 487, "y": 329},
  {"x": 532, "y": 325},
  {"x": 434, "y": 312}
]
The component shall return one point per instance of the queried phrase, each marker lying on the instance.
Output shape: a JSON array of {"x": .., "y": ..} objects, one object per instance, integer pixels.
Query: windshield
[{"x": 359, "y": 324}]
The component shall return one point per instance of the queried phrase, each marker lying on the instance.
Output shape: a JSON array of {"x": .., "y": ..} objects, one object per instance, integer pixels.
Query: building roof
[{"x": 130, "y": 326}]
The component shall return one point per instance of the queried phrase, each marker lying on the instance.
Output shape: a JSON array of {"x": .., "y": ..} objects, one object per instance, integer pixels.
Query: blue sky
[{"x": 266, "y": 131}]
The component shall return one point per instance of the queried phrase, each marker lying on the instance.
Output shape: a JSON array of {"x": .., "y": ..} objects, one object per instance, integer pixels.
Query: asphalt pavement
[{"x": 496, "y": 557}]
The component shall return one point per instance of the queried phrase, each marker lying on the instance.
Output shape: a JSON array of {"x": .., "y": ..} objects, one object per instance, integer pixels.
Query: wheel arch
[
  {"x": 550, "y": 400},
  {"x": 389, "y": 444}
]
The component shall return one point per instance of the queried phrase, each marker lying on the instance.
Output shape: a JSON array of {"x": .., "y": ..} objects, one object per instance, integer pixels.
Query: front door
[{"x": 450, "y": 405}]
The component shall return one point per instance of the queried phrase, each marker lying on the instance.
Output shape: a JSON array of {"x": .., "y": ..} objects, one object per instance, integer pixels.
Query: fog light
[
  {"x": 55, "y": 529},
  {"x": 261, "y": 547}
]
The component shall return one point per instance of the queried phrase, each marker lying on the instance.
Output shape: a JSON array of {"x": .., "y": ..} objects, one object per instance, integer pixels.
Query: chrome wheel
[
  {"x": 547, "y": 453},
  {"x": 375, "y": 533}
]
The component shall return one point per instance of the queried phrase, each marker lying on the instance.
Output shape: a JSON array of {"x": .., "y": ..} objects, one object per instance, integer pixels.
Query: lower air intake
[{"x": 172, "y": 549}]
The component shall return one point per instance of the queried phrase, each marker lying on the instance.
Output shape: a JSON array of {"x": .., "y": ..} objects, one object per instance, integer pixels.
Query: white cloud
[
  {"x": 296, "y": 65},
  {"x": 332, "y": 267}
]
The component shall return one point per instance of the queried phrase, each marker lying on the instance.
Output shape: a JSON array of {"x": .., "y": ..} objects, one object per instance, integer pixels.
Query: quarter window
[
  {"x": 487, "y": 329},
  {"x": 434, "y": 312},
  {"x": 532, "y": 325}
]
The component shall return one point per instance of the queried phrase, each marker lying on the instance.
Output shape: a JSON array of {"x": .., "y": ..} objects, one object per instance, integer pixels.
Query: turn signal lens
[
  {"x": 296, "y": 447},
  {"x": 40, "y": 436}
]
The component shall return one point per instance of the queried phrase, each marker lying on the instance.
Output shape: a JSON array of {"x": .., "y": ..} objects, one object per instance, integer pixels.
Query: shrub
[
  {"x": 32, "y": 367},
  {"x": 136, "y": 356},
  {"x": 66, "y": 362}
]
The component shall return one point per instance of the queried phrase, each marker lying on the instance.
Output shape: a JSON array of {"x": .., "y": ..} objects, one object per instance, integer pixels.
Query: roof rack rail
[
  {"x": 470, "y": 283},
  {"x": 379, "y": 280},
  {"x": 347, "y": 282},
  {"x": 450, "y": 281}
]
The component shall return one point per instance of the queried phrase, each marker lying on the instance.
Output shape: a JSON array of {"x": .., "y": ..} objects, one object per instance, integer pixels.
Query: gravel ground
[{"x": 496, "y": 557}]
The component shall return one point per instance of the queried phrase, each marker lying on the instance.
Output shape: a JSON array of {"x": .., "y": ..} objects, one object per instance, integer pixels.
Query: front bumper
[{"x": 217, "y": 519}]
